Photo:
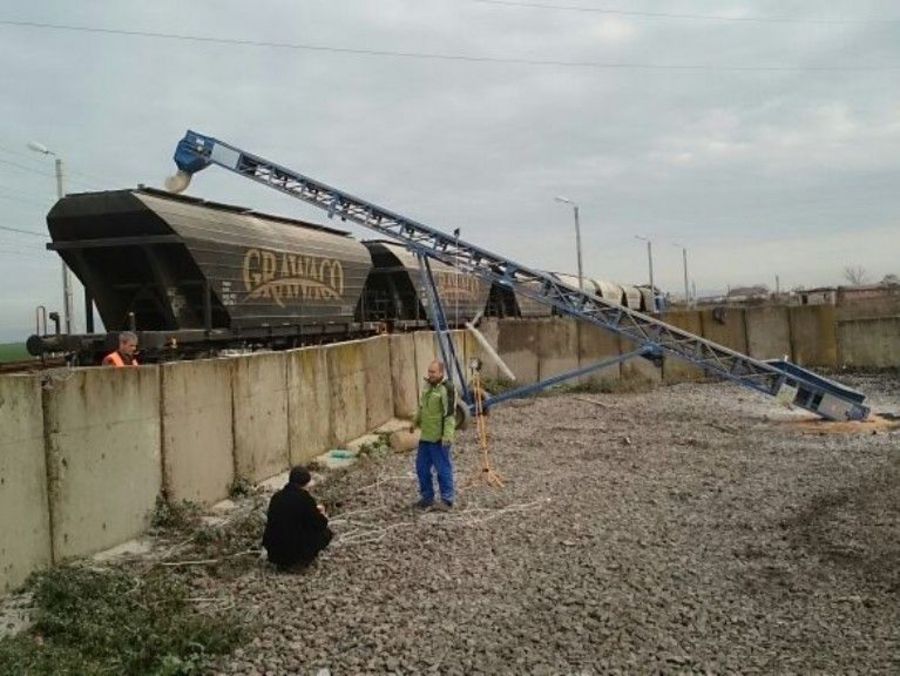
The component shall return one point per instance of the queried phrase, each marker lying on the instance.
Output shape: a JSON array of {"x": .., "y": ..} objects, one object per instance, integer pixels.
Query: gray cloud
[{"x": 758, "y": 173}]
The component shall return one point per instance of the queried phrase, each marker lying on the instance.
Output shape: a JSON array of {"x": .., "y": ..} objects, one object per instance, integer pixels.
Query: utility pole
[
  {"x": 650, "y": 263},
  {"x": 457, "y": 274},
  {"x": 68, "y": 313},
  {"x": 687, "y": 294},
  {"x": 577, "y": 239}
]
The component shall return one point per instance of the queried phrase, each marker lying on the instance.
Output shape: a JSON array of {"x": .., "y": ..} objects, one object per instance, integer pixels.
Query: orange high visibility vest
[{"x": 115, "y": 359}]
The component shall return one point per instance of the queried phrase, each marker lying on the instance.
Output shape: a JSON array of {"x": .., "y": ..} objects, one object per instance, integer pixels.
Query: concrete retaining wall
[
  {"x": 103, "y": 455},
  {"x": 730, "y": 332},
  {"x": 517, "y": 344},
  {"x": 870, "y": 342},
  {"x": 677, "y": 370},
  {"x": 25, "y": 543},
  {"x": 197, "y": 430},
  {"x": 557, "y": 346},
  {"x": 638, "y": 368},
  {"x": 813, "y": 335},
  {"x": 309, "y": 404},
  {"x": 404, "y": 377},
  {"x": 490, "y": 329},
  {"x": 82, "y": 463},
  {"x": 869, "y": 308},
  {"x": 376, "y": 355},
  {"x": 768, "y": 332},
  {"x": 347, "y": 383},
  {"x": 260, "y": 416},
  {"x": 425, "y": 354},
  {"x": 596, "y": 344}
]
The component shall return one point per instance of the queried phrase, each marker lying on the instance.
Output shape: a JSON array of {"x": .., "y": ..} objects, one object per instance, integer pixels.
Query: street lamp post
[
  {"x": 566, "y": 200},
  {"x": 650, "y": 262},
  {"x": 687, "y": 296},
  {"x": 60, "y": 193}
]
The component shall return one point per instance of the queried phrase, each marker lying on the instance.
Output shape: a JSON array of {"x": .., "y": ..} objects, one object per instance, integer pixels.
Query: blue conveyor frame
[{"x": 786, "y": 382}]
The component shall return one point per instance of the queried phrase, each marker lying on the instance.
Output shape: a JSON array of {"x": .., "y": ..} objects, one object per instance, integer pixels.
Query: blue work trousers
[{"x": 432, "y": 454}]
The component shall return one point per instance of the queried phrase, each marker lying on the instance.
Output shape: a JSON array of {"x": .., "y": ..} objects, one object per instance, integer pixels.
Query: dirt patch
[
  {"x": 874, "y": 424},
  {"x": 858, "y": 527}
]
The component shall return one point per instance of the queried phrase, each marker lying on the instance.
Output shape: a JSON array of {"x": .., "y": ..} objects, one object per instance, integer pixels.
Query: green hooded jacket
[{"x": 435, "y": 418}]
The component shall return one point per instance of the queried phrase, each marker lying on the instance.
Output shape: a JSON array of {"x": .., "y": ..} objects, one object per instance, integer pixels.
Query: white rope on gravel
[{"x": 473, "y": 516}]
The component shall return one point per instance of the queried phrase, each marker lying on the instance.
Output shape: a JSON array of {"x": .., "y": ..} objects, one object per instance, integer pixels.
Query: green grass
[
  {"x": 13, "y": 352},
  {"x": 110, "y": 622}
]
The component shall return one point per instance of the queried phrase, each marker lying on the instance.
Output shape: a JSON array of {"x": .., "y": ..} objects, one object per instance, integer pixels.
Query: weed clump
[
  {"x": 180, "y": 516},
  {"x": 90, "y": 621},
  {"x": 379, "y": 448},
  {"x": 241, "y": 488}
]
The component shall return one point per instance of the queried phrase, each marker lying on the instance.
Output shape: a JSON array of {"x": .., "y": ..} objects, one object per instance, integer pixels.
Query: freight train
[{"x": 194, "y": 278}]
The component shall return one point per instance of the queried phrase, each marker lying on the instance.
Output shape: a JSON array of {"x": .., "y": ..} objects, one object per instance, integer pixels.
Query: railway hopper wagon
[{"x": 194, "y": 277}]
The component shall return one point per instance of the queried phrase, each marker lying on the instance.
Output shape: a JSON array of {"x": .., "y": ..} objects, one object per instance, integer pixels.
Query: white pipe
[{"x": 490, "y": 351}]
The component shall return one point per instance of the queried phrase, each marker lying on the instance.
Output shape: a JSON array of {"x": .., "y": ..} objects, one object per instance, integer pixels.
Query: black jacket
[{"x": 296, "y": 531}]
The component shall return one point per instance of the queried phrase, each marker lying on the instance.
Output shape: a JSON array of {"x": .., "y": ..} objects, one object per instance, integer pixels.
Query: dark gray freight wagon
[
  {"x": 194, "y": 278},
  {"x": 184, "y": 272},
  {"x": 396, "y": 288}
]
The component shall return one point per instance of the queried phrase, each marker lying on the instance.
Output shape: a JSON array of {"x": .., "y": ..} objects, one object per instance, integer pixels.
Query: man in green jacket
[{"x": 437, "y": 423}]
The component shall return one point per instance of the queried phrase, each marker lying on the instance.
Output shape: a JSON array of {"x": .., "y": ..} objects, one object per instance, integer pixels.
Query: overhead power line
[
  {"x": 77, "y": 181},
  {"x": 435, "y": 56},
  {"x": 25, "y": 168},
  {"x": 675, "y": 15},
  {"x": 24, "y": 232},
  {"x": 13, "y": 198}
]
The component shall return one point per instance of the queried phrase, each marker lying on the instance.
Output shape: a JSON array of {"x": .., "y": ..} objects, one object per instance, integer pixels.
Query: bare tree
[
  {"x": 890, "y": 280},
  {"x": 855, "y": 274}
]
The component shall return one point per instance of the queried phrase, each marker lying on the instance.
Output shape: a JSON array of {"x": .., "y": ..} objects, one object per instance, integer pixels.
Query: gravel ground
[{"x": 689, "y": 528}]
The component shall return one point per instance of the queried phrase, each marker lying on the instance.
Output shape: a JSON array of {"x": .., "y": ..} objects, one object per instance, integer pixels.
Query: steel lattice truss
[{"x": 196, "y": 151}]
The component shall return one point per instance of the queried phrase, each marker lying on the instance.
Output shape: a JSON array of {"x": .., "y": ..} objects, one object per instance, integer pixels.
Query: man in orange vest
[{"x": 124, "y": 356}]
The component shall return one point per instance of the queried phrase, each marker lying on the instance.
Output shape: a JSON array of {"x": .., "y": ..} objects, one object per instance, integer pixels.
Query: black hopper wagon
[{"x": 195, "y": 278}]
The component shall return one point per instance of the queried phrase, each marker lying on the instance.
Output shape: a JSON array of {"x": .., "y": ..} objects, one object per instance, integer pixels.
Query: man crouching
[{"x": 296, "y": 527}]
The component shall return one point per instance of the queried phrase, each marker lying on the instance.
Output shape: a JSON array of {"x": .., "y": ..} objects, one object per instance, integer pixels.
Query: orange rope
[{"x": 486, "y": 471}]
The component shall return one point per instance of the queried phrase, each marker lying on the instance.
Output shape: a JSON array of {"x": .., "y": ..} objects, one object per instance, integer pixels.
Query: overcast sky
[{"x": 776, "y": 153}]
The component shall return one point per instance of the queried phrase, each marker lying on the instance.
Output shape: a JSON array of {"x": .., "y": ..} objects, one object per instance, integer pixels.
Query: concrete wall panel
[
  {"x": 24, "y": 513},
  {"x": 518, "y": 347},
  {"x": 813, "y": 335},
  {"x": 768, "y": 332},
  {"x": 730, "y": 332},
  {"x": 596, "y": 344},
  {"x": 870, "y": 342},
  {"x": 404, "y": 377},
  {"x": 557, "y": 346},
  {"x": 490, "y": 329},
  {"x": 426, "y": 352},
  {"x": 379, "y": 392},
  {"x": 309, "y": 404},
  {"x": 869, "y": 308},
  {"x": 347, "y": 382},
  {"x": 677, "y": 370},
  {"x": 103, "y": 450},
  {"x": 638, "y": 368},
  {"x": 197, "y": 430},
  {"x": 260, "y": 416},
  {"x": 458, "y": 338}
]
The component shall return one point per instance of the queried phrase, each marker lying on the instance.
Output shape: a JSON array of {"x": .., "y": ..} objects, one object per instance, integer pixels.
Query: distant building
[
  {"x": 823, "y": 295},
  {"x": 850, "y": 294}
]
